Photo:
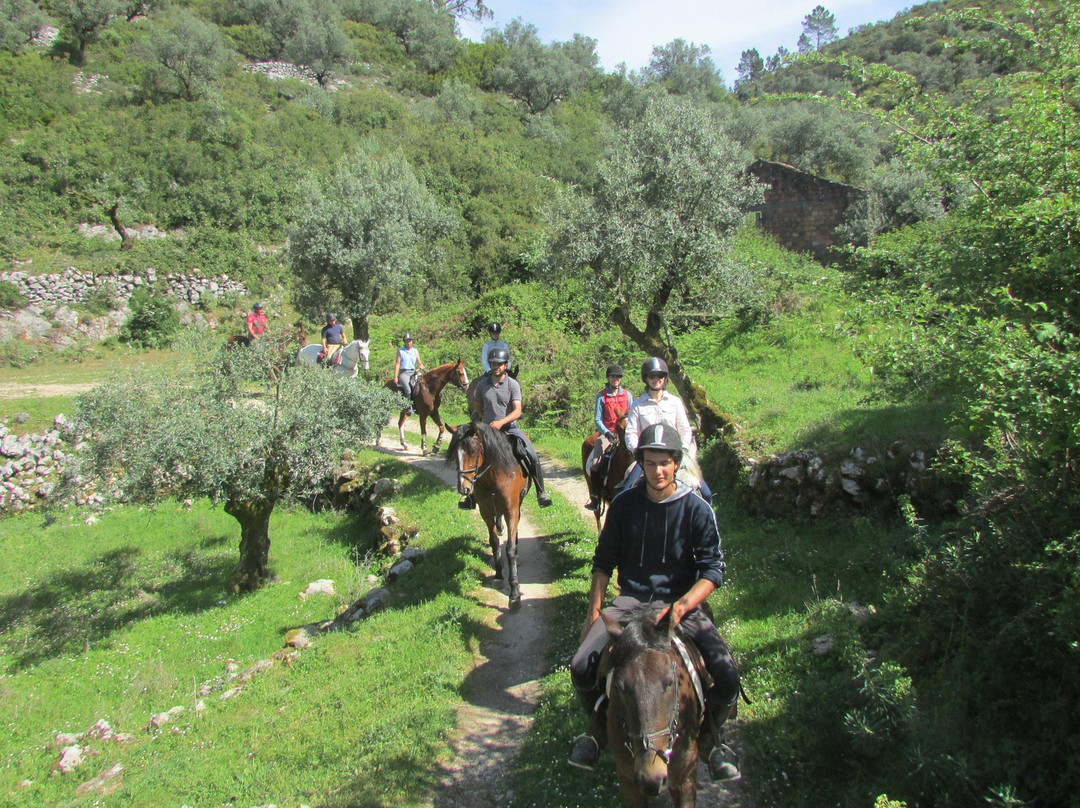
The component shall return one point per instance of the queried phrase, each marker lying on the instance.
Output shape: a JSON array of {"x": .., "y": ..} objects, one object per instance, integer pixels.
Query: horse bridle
[
  {"x": 647, "y": 739},
  {"x": 477, "y": 471}
]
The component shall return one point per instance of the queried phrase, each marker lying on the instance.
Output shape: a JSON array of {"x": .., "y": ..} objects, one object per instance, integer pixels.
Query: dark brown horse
[
  {"x": 611, "y": 468},
  {"x": 488, "y": 470},
  {"x": 426, "y": 398},
  {"x": 655, "y": 709}
]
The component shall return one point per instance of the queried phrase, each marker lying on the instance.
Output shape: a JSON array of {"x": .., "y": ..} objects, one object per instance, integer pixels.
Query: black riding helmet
[
  {"x": 661, "y": 437},
  {"x": 330, "y": 317},
  {"x": 495, "y": 328},
  {"x": 654, "y": 364},
  {"x": 408, "y": 337},
  {"x": 614, "y": 370},
  {"x": 498, "y": 355}
]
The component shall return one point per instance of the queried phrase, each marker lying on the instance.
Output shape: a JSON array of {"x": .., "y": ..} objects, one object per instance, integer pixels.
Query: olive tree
[
  {"x": 654, "y": 230},
  {"x": 188, "y": 431},
  {"x": 83, "y": 21},
  {"x": 362, "y": 236},
  {"x": 189, "y": 54}
]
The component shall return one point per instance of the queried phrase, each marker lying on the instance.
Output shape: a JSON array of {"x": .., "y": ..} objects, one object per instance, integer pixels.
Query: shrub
[
  {"x": 102, "y": 300},
  {"x": 10, "y": 296},
  {"x": 18, "y": 353},
  {"x": 153, "y": 322}
]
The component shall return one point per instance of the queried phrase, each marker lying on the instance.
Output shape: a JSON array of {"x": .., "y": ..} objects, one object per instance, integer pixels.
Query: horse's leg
[
  {"x": 632, "y": 797},
  {"x": 513, "y": 514},
  {"x": 423, "y": 433},
  {"x": 401, "y": 428},
  {"x": 682, "y": 785},
  {"x": 487, "y": 510},
  {"x": 438, "y": 422}
]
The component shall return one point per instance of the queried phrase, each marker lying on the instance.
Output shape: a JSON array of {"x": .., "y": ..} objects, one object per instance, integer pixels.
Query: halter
[
  {"x": 647, "y": 739},
  {"x": 477, "y": 471}
]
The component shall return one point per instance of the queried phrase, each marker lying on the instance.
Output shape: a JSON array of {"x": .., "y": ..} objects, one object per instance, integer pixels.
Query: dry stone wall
[
  {"x": 73, "y": 286},
  {"x": 864, "y": 481}
]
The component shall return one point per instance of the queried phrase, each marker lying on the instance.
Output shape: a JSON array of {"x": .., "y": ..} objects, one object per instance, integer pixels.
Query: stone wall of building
[{"x": 800, "y": 210}]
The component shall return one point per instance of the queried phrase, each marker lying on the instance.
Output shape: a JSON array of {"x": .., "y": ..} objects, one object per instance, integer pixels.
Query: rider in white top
[
  {"x": 494, "y": 331},
  {"x": 657, "y": 406}
]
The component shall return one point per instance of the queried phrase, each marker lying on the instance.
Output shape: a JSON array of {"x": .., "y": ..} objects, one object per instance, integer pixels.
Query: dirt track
[{"x": 501, "y": 692}]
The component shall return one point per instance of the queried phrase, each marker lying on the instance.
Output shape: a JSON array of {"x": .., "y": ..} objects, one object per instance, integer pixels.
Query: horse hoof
[
  {"x": 404, "y": 445},
  {"x": 515, "y": 603},
  {"x": 435, "y": 449},
  {"x": 424, "y": 452}
]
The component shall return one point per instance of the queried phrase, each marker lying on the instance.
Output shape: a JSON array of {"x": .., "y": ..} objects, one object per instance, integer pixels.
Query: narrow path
[{"x": 502, "y": 691}]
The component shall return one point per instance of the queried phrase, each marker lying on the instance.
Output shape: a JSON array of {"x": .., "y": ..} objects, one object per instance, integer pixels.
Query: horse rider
[
  {"x": 333, "y": 340},
  {"x": 500, "y": 399},
  {"x": 494, "y": 341},
  {"x": 406, "y": 366},
  {"x": 256, "y": 322},
  {"x": 610, "y": 401},
  {"x": 664, "y": 540},
  {"x": 657, "y": 406}
]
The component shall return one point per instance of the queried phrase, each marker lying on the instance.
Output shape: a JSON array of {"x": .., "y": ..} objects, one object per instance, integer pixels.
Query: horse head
[
  {"x": 647, "y": 690},
  {"x": 365, "y": 352},
  {"x": 460, "y": 377}
]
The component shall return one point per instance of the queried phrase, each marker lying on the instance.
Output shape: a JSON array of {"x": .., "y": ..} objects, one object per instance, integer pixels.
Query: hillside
[{"x": 359, "y": 157}]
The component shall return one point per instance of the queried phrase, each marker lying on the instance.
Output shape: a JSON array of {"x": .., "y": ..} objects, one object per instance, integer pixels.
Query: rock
[
  {"x": 823, "y": 645},
  {"x": 255, "y": 670},
  {"x": 399, "y": 569},
  {"x": 323, "y": 586},
  {"x": 297, "y": 638},
  {"x": 376, "y": 599},
  {"x": 158, "y": 720},
  {"x": 105, "y": 783},
  {"x": 413, "y": 554},
  {"x": 228, "y": 694},
  {"x": 70, "y": 759}
]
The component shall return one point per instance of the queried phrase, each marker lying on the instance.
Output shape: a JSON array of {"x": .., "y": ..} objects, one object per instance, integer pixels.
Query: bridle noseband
[{"x": 647, "y": 739}]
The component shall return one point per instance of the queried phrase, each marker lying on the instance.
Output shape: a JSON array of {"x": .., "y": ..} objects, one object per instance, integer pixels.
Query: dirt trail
[{"x": 501, "y": 692}]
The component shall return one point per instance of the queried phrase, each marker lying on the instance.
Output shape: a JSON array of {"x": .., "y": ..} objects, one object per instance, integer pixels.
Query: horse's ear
[{"x": 614, "y": 627}]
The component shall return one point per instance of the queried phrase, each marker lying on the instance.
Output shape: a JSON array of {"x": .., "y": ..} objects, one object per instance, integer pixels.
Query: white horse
[{"x": 353, "y": 356}]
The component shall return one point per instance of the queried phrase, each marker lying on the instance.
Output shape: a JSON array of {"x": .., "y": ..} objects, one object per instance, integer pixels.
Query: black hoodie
[{"x": 660, "y": 548}]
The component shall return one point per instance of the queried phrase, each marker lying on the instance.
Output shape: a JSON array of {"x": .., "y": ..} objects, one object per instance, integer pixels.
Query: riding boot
[
  {"x": 542, "y": 496},
  {"x": 585, "y": 748},
  {"x": 722, "y": 761}
]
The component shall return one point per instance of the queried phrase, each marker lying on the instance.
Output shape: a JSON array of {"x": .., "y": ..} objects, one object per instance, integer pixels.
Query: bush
[
  {"x": 18, "y": 353},
  {"x": 10, "y": 296},
  {"x": 153, "y": 322},
  {"x": 102, "y": 300}
]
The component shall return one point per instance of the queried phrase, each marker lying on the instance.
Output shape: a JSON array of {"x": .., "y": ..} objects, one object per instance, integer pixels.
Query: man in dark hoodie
[{"x": 664, "y": 541}]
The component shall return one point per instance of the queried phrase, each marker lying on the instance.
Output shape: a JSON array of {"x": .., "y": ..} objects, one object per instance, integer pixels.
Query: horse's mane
[
  {"x": 497, "y": 449},
  {"x": 641, "y": 633}
]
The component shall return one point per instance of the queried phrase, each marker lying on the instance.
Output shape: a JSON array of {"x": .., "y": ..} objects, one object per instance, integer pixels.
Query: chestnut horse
[
  {"x": 488, "y": 470},
  {"x": 427, "y": 396},
  {"x": 655, "y": 709},
  {"x": 611, "y": 468}
]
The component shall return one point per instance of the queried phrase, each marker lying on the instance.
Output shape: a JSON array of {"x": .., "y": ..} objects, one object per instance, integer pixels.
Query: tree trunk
[
  {"x": 711, "y": 423},
  {"x": 125, "y": 238},
  {"x": 360, "y": 328},
  {"x": 254, "y": 519}
]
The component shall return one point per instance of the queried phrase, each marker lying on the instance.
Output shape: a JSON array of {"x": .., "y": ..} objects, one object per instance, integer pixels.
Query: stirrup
[
  {"x": 466, "y": 503},
  {"x": 584, "y": 752},
  {"x": 723, "y": 763}
]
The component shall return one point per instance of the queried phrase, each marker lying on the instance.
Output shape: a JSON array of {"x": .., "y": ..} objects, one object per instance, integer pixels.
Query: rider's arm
[
  {"x": 682, "y": 424},
  {"x": 419, "y": 364},
  {"x": 630, "y": 434},
  {"x": 397, "y": 365},
  {"x": 690, "y": 601},
  {"x": 251, "y": 327},
  {"x": 598, "y": 415},
  {"x": 510, "y": 417},
  {"x": 596, "y": 599},
  {"x": 483, "y": 356}
]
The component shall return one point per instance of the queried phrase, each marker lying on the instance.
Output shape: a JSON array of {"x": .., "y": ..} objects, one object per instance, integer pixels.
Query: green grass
[{"x": 128, "y": 617}]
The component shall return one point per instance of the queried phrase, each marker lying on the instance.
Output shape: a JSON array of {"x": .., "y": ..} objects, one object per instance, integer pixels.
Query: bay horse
[
  {"x": 427, "y": 397},
  {"x": 488, "y": 470},
  {"x": 655, "y": 708},
  {"x": 612, "y": 466},
  {"x": 354, "y": 356}
]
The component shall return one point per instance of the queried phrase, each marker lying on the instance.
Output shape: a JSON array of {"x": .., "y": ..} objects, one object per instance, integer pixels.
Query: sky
[{"x": 626, "y": 31}]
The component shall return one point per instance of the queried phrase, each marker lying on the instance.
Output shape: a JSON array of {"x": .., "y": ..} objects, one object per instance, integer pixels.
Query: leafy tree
[
  {"x": 426, "y": 30},
  {"x": 363, "y": 236},
  {"x": 19, "y": 19},
  {"x": 540, "y": 75},
  {"x": 185, "y": 432},
  {"x": 464, "y": 9},
  {"x": 654, "y": 230},
  {"x": 818, "y": 30},
  {"x": 83, "y": 21},
  {"x": 750, "y": 68},
  {"x": 683, "y": 68},
  {"x": 191, "y": 53},
  {"x": 318, "y": 42}
]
